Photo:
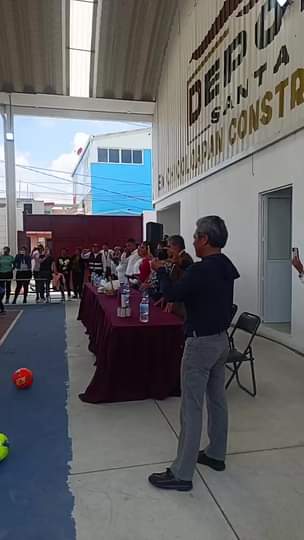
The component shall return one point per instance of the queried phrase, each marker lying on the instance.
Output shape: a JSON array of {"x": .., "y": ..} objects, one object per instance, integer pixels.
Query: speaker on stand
[{"x": 154, "y": 234}]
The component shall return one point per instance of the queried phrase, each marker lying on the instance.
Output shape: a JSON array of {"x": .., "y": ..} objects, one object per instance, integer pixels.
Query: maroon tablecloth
[{"x": 133, "y": 360}]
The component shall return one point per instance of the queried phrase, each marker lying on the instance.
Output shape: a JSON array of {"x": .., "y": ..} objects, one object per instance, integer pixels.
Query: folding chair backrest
[
  {"x": 249, "y": 323},
  {"x": 233, "y": 311}
]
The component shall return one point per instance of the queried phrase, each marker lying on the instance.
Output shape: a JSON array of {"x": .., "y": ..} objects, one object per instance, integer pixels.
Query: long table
[{"x": 134, "y": 361}]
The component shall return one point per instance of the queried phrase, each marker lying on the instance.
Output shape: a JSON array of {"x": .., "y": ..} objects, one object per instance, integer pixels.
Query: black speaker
[{"x": 154, "y": 232}]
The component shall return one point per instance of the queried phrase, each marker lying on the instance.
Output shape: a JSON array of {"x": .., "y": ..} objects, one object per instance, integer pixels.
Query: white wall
[
  {"x": 37, "y": 208},
  {"x": 138, "y": 139},
  {"x": 183, "y": 174},
  {"x": 234, "y": 195},
  {"x": 170, "y": 218}
]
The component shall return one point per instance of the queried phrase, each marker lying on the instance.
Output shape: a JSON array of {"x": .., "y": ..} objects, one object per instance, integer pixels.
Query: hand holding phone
[{"x": 295, "y": 253}]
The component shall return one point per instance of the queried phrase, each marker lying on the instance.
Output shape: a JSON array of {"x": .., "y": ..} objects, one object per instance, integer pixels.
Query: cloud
[
  {"x": 45, "y": 184},
  {"x": 21, "y": 159},
  {"x": 32, "y": 183},
  {"x": 67, "y": 162}
]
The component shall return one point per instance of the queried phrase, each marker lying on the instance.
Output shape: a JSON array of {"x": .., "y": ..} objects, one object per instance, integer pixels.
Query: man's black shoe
[
  {"x": 214, "y": 464},
  {"x": 167, "y": 480}
]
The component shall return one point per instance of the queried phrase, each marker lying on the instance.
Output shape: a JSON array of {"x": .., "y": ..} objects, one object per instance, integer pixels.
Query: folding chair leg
[
  {"x": 252, "y": 392},
  {"x": 234, "y": 372}
]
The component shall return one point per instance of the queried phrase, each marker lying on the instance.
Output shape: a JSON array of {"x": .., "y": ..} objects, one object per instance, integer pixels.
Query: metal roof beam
[
  {"x": 73, "y": 107},
  {"x": 96, "y": 47}
]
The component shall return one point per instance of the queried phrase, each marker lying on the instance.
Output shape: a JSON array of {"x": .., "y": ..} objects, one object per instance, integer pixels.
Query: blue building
[{"x": 114, "y": 174}]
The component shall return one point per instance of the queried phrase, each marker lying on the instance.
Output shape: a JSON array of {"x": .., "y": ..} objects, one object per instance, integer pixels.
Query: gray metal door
[{"x": 277, "y": 257}]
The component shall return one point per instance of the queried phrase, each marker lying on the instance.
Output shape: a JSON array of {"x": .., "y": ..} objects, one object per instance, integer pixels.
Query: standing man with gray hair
[{"x": 207, "y": 292}]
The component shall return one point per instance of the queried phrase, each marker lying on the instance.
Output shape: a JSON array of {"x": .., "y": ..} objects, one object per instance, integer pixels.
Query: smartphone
[{"x": 295, "y": 253}]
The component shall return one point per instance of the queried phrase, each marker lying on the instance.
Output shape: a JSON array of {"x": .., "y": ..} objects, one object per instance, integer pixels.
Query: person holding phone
[{"x": 297, "y": 263}]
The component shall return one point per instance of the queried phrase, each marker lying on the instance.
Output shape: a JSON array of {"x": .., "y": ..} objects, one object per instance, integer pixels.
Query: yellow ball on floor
[{"x": 4, "y": 446}]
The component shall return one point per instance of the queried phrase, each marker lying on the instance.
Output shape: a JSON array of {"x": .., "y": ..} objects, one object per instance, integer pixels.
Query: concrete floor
[{"x": 116, "y": 446}]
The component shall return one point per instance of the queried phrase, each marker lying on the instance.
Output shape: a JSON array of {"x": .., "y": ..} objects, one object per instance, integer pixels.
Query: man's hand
[{"x": 298, "y": 265}]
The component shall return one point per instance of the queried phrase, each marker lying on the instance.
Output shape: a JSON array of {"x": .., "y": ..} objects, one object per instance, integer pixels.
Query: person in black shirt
[
  {"x": 77, "y": 269},
  {"x": 94, "y": 260},
  {"x": 46, "y": 270},
  {"x": 23, "y": 265},
  {"x": 63, "y": 264},
  {"x": 207, "y": 292}
]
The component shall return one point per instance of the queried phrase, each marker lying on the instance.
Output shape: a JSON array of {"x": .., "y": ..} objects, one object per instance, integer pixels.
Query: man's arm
[
  {"x": 179, "y": 291},
  {"x": 298, "y": 265},
  {"x": 85, "y": 255}
]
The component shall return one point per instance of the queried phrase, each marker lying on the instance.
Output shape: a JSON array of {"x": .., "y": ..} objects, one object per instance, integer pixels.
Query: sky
[{"x": 52, "y": 144}]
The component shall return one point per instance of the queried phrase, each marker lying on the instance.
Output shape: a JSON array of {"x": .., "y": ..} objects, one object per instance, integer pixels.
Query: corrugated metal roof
[
  {"x": 31, "y": 45},
  {"x": 132, "y": 39}
]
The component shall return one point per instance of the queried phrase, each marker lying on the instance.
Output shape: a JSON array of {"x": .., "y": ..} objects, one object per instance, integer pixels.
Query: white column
[{"x": 10, "y": 178}]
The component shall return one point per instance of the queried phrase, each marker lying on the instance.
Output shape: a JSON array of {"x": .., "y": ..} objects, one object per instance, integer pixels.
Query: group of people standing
[
  {"x": 134, "y": 263},
  {"x": 66, "y": 272}
]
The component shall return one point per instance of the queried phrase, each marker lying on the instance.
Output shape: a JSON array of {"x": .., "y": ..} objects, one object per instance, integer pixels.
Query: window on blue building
[
  {"x": 126, "y": 156},
  {"x": 102, "y": 154},
  {"x": 113, "y": 155},
  {"x": 137, "y": 156}
]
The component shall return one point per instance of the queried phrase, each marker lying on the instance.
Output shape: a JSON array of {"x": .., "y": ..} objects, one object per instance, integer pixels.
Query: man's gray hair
[{"x": 214, "y": 227}]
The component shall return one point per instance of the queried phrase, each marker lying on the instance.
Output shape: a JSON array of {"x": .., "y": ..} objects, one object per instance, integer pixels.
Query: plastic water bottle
[
  {"x": 144, "y": 308},
  {"x": 93, "y": 275},
  {"x": 125, "y": 296}
]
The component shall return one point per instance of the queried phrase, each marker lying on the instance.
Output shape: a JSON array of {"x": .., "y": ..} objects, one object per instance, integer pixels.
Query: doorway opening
[
  {"x": 170, "y": 219},
  {"x": 276, "y": 270}
]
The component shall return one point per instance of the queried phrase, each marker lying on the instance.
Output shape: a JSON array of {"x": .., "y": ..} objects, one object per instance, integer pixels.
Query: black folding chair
[
  {"x": 249, "y": 323},
  {"x": 233, "y": 312}
]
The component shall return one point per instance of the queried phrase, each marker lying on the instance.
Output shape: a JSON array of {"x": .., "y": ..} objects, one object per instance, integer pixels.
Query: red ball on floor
[{"x": 23, "y": 378}]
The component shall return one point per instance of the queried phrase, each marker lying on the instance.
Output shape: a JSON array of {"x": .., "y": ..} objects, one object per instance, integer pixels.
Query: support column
[{"x": 10, "y": 178}]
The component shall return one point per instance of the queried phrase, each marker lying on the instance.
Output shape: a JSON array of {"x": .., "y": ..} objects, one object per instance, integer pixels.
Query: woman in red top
[{"x": 145, "y": 265}]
